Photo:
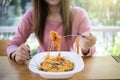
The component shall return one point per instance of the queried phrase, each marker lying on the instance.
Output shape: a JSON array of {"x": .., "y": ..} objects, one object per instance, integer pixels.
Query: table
[{"x": 96, "y": 67}]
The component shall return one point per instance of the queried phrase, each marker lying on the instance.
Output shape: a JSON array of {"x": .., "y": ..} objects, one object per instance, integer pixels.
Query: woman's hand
[
  {"x": 22, "y": 54},
  {"x": 87, "y": 40}
]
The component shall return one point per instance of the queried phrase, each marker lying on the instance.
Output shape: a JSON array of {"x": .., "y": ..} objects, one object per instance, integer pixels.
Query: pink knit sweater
[{"x": 80, "y": 24}]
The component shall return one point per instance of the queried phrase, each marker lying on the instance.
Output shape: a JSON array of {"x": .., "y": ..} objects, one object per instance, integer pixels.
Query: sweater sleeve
[
  {"x": 22, "y": 33},
  {"x": 83, "y": 24}
]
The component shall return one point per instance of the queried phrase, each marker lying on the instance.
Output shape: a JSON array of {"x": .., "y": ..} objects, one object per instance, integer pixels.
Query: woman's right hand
[{"x": 22, "y": 54}]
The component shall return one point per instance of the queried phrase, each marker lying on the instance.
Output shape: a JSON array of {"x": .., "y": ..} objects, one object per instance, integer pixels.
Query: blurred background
[{"x": 104, "y": 16}]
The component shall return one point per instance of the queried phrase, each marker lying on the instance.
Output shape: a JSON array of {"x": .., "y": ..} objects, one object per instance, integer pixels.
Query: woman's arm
[
  {"x": 83, "y": 25},
  {"x": 22, "y": 33}
]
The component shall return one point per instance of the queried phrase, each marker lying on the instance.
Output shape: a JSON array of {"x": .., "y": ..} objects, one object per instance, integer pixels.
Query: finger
[
  {"x": 88, "y": 39},
  {"x": 24, "y": 56},
  {"x": 20, "y": 59},
  {"x": 84, "y": 41},
  {"x": 26, "y": 48},
  {"x": 84, "y": 37},
  {"x": 87, "y": 35},
  {"x": 85, "y": 44},
  {"x": 25, "y": 53},
  {"x": 21, "y": 51},
  {"x": 88, "y": 42}
]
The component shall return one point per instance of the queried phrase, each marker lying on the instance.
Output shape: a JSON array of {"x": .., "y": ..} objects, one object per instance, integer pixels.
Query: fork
[{"x": 77, "y": 35}]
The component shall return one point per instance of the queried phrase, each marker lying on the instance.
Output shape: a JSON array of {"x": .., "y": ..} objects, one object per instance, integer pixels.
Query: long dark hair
[{"x": 40, "y": 13}]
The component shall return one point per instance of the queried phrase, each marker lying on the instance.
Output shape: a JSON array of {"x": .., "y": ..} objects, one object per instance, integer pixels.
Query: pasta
[
  {"x": 77, "y": 42},
  {"x": 56, "y": 64},
  {"x": 56, "y": 41}
]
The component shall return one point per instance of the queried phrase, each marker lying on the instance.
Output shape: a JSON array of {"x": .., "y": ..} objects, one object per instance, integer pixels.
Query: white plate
[{"x": 34, "y": 65}]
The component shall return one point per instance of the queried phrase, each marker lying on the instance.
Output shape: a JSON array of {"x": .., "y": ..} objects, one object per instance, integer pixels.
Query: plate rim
[{"x": 55, "y": 73}]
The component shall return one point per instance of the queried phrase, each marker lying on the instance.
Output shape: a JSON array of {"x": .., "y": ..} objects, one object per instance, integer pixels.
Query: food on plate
[
  {"x": 58, "y": 63},
  {"x": 54, "y": 64}
]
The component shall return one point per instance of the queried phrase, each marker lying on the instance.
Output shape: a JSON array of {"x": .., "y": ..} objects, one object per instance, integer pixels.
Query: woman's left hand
[{"x": 87, "y": 40}]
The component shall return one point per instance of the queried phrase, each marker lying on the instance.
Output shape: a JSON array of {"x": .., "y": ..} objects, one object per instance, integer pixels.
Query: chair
[{"x": 3, "y": 46}]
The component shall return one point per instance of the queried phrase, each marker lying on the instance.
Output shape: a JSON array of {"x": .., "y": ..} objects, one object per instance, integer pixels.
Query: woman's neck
[
  {"x": 54, "y": 14},
  {"x": 54, "y": 10}
]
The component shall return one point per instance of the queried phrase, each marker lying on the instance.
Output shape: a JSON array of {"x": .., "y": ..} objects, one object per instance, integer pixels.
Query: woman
[{"x": 47, "y": 15}]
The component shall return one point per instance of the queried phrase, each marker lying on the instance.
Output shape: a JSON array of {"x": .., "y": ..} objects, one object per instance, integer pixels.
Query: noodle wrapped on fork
[{"x": 56, "y": 42}]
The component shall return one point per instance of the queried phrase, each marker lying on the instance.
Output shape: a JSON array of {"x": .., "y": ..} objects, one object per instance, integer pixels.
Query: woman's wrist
[{"x": 13, "y": 56}]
